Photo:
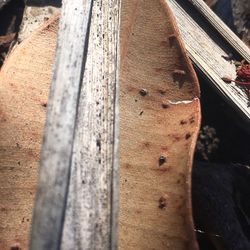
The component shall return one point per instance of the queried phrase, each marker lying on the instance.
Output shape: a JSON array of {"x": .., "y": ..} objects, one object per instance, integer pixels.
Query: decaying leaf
[
  {"x": 24, "y": 83},
  {"x": 155, "y": 206},
  {"x": 160, "y": 117}
]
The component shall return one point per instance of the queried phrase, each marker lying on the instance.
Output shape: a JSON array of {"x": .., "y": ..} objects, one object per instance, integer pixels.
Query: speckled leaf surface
[
  {"x": 24, "y": 84},
  {"x": 159, "y": 122},
  {"x": 160, "y": 118}
]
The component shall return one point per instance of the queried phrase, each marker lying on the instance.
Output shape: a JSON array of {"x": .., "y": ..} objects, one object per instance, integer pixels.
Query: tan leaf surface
[
  {"x": 160, "y": 118},
  {"x": 24, "y": 83}
]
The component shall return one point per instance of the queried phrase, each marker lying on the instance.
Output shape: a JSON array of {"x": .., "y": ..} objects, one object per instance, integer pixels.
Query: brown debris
[
  {"x": 165, "y": 105},
  {"x": 16, "y": 246},
  {"x": 162, "y": 160},
  {"x": 183, "y": 122},
  {"x": 143, "y": 92},
  {"x": 162, "y": 203},
  {"x": 187, "y": 136},
  {"x": 44, "y": 104},
  {"x": 207, "y": 143}
]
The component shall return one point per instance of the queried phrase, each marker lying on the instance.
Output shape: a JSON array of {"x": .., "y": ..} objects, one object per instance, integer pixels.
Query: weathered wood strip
[
  {"x": 209, "y": 42},
  {"x": 92, "y": 206},
  {"x": 60, "y": 125},
  {"x": 223, "y": 29}
]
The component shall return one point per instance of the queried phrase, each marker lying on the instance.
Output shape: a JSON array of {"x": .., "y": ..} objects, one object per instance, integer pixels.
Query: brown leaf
[
  {"x": 24, "y": 84},
  {"x": 153, "y": 58}
]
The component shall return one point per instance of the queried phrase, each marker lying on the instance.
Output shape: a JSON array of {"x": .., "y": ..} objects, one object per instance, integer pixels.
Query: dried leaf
[
  {"x": 24, "y": 85},
  {"x": 153, "y": 58}
]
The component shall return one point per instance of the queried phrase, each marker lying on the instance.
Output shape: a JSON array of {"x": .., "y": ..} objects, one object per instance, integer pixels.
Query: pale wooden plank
[
  {"x": 223, "y": 29},
  {"x": 60, "y": 125},
  {"x": 92, "y": 206},
  {"x": 206, "y": 48}
]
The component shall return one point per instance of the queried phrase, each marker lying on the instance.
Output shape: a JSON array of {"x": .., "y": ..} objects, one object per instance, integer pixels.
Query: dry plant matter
[
  {"x": 24, "y": 84},
  {"x": 160, "y": 117},
  {"x": 159, "y": 123}
]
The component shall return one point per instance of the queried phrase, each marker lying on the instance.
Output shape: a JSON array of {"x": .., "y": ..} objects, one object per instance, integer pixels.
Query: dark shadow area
[
  {"x": 231, "y": 130},
  {"x": 42, "y": 3},
  {"x": 221, "y": 173},
  {"x": 220, "y": 187},
  {"x": 11, "y": 15},
  {"x": 221, "y": 205},
  {"x": 223, "y": 8},
  {"x": 221, "y": 190}
]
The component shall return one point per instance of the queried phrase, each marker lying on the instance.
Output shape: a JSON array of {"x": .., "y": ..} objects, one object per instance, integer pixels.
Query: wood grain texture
[
  {"x": 160, "y": 116},
  {"x": 49, "y": 211},
  {"x": 24, "y": 83},
  {"x": 223, "y": 29},
  {"x": 92, "y": 206},
  {"x": 208, "y": 40}
]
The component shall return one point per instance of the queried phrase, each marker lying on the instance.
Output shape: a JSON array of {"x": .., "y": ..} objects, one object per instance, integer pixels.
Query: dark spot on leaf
[
  {"x": 143, "y": 92},
  {"x": 162, "y": 203},
  {"x": 191, "y": 120},
  {"x": 15, "y": 247},
  {"x": 162, "y": 160},
  {"x": 187, "y": 136},
  {"x": 44, "y": 104},
  {"x": 171, "y": 39},
  {"x": 165, "y": 106},
  {"x": 182, "y": 122},
  {"x": 162, "y": 92}
]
